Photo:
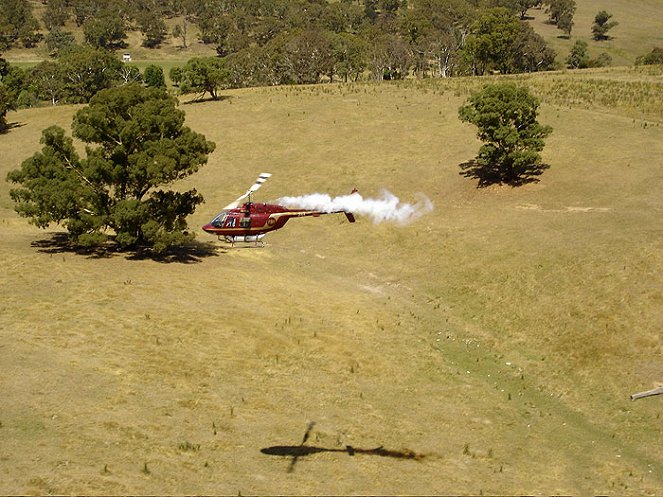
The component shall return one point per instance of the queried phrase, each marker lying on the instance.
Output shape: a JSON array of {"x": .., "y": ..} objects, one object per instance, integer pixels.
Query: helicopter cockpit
[{"x": 219, "y": 220}]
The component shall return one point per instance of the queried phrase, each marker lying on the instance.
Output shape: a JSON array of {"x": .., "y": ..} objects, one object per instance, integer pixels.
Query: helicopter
[{"x": 251, "y": 221}]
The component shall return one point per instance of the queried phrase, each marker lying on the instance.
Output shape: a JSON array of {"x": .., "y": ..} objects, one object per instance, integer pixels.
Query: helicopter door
[
  {"x": 245, "y": 222},
  {"x": 231, "y": 222}
]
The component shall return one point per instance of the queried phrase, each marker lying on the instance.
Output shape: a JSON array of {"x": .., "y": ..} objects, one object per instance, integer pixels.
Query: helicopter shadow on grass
[
  {"x": 488, "y": 175},
  {"x": 298, "y": 451},
  {"x": 191, "y": 253}
]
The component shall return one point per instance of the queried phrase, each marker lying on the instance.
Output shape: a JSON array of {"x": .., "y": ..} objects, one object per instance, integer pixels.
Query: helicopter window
[{"x": 218, "y": 221}]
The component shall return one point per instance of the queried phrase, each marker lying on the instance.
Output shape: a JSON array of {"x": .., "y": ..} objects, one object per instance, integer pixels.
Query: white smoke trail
[{"x": 387, "y": 207}]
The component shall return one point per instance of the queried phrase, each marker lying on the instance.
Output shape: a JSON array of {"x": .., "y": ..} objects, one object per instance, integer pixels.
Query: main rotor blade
[
  {"x": 309, "y": 427},
  {"x": 259, "y": 181}
]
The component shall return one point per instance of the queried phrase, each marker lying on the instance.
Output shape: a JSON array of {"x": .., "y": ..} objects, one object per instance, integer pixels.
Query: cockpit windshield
[{"x": 218, "y": 221}]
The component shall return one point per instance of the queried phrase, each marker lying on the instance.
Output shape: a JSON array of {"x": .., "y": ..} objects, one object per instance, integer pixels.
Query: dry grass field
[
  {"x": 638, "y": 31},
  {"x": 490, "y": 347}
]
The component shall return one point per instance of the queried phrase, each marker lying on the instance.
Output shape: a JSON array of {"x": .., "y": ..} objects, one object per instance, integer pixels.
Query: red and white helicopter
[{"x": 251, "y": 221}]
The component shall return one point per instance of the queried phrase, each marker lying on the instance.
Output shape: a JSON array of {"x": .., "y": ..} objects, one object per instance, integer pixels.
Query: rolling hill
[{"x": 489, "y": 347}]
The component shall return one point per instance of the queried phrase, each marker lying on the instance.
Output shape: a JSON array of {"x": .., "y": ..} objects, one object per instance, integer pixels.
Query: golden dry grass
[
  {"x": 499, "y": 336},
  {"x": 637, "y": 33}
]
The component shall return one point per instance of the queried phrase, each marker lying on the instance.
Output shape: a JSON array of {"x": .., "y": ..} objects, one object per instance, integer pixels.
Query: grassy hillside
[
  {"x": 497, "y": 339},
  {"x": 637, "y": 33}
]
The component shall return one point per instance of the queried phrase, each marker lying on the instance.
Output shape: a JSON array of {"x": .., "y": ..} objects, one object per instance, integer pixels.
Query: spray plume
[{"x": 387, "y": 207}]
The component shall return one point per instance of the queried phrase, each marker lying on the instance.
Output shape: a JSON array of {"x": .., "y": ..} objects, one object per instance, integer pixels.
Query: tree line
[{"x": 272, "y": 42}]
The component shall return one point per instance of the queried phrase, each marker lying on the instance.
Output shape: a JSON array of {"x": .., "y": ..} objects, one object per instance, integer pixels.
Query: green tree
[
  {"x": 47, "y": 82},
  {"x": 181, "y": 31},
  {"x": 500, "y": 42},
  {"x": 7, "y": 99},
  {"x": 86, "y": 70},
  {"x": 129, "y": 73},
  {"x": 14, "y": 81},
  {"x": 175, "y": 75},
  {"x": 107, "y": 31},
  {"x": 342, "y": 17},
  {"x": 137, "y": 144},
  {"x": 602, "y": 60},
  {"x": 58, "y": 40},
  {"x": 18, "y": 24},
  {"x": 578, "y": 57},
  {"x": 153, "y": 76},
  {"x": 349, "y": 56},
  {"x": 437, "y": 30},
  {"x": 154, "y": 29},
  {"x": 387, "y": 55},
  {"x": 506, "y": 118},
  {"x": 524, "y": 5},
  {"x": 56, "y": 14},
  {"x": 308, "y": 55},
  {"x": 84, "y": 10},
  {"x": 561, "y": 14},
  {"x": 6, "y": 104},
  {"x": 602, "y": 24},
  {"x": 565, "y": 23},
  {"x": 653, "y": 57},
  {"x": 202, "y": 75}
]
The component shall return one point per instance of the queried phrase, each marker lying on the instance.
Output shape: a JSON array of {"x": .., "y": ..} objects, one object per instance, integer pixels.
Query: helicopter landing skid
[{"x": 256, "y": 239}]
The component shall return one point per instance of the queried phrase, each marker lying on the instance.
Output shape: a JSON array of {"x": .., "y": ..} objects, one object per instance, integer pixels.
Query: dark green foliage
[
  {"x": 603, "y": 60},
  {"x": 578, "y": 57},
  {"x": 47, "y": 82},
  {"x": 271, "y": 42},
  {"x": 6, "y": 104},
  {"x": 130, "y": 74},
  {"x": 348, "y": 51},
  {"x": 137, "y": 144},
  {"x": 85, "y": 70},
  {"x": 153, "y": 76},
  {"x": 18, "y": 24},
  {"x": 7, "y": 93},
  {"x": 436, "y": 31},
  {"x": 561, "y": 14},
  {"x": 107, "y": 31},
  {"x": 307, "y": 55},
  {"x": 13, "y": 79},
  {"x": 506, "y": 118},
  {"x": 500, "y": 43},
  {"x": 524, "y": 5},
  {"x": 56, "y": 14},
  {"x": 202, "y": 75},
  {"x": 653, "y": 57},
  {"x": 58, "y": 40},
  {"x": 565, "y": 23},
  {"x": 153, "y": 28},
  {"x": 602, "y": 24}
]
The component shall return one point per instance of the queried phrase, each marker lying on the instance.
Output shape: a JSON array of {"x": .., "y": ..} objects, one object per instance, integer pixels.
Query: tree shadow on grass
[
  {"x": 488, "y": 175},
  {"x": 201, "y": 99},
  {"x": 10, "y": 126},
  {"x": 192, "y": 252}
]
